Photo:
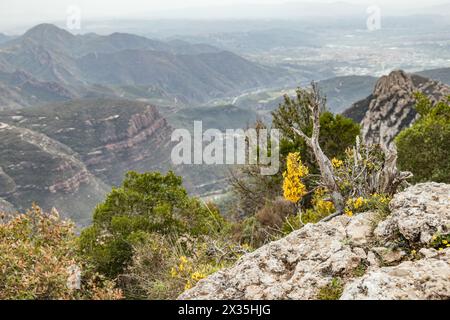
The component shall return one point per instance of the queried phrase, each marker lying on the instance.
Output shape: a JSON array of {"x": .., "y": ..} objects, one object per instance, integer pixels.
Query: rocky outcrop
[
  {"x": 390, "y": 108},
  {"x": 110, "y": 136},
  {"x": 425, "y": 279},
  {"x": 418, "y": 214},
  {"x": 36, "y": 168},
  {"x": 368, "y": 256}
]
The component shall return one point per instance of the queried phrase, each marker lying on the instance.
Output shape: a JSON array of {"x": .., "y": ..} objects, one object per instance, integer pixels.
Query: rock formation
[
  {"x": 110, "y": 136},
  {"x": 38, "y": 168},
  {"x": 427, "y": 278},
  {"x": 372, "y": 259},
  {"x": 390, "y": 108}
]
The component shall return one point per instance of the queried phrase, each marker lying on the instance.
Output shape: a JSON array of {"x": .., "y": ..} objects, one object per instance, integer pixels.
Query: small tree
[
  {"x": 424, "y": 148},
  {"x": 145, "y": 203}
]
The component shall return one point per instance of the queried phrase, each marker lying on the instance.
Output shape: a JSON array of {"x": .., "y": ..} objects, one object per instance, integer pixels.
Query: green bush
[
  {"x": 145, "y": 203},
  {"x": 424, "y": 148}
]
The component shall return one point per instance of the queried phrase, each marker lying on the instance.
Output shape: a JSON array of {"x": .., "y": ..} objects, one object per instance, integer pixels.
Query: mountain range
[
  {"x": 97, "y": 66},
  {"x": 79, "y": 111}
]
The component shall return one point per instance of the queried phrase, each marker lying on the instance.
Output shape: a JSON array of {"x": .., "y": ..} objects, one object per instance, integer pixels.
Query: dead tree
[
  {"x": 315, "y": 104},
  {"x": 385, "y": 181}
]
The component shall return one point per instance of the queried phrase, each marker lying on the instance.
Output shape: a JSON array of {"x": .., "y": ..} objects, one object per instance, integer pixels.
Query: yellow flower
[
  {"x": 444, "y": 242},
  {"x": 183, "y": 259},
  {"x": 337, "y": 163},
  {"x": 188, "y": 285},
  {"x": 413, "y": 252},
  {"x": 356, "y": 204},
  {"x": 434, "y": 237},
  {"x": 359, "y": 202},
  {"x": 348, "y": 212},
  {"x": 173, "y": 273},
  {"x": 293, "y": 187},
  {"x": 197, "y": 276},
  {"x": 441, "y": 249},
  {"x": 325, "y": 207}
]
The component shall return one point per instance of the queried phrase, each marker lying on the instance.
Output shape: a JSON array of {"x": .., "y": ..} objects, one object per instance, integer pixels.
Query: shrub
[
  {"x": 163, "y": 266},
  {"x": 358, "y": 180},
  {"x": 38, "y": 257},
  {"x": 265, "y": 225},
  {"x": 424, "y": 148},
  {"x": 145, "y": 203}
]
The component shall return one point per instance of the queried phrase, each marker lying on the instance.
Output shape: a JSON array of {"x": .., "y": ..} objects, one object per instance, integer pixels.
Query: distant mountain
[
  {"x": 358, "y": 109},
  {"x": 342, "y": 92},
  {"x": 35, "y": 167},
  {"x": 442, "y": 74},
  {"x": 68, "y": 155},
  {"x": 195, "y": 77},
  {"x": 20, "y": 89},
  {"x": 390, "y": 108},
  {"x": 194, "y": 72},
  {"x": 110, "y": 136},
  {"x": 84, "y": 147},
  {"x": 5, "y": 38}
]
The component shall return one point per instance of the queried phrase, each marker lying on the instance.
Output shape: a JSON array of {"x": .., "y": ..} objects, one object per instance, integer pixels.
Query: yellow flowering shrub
[
  {"x": 375, "y": 201},
  {"x": 293, "y": 187},
  {"x": 165, "y": 266},
  {"x": 188, "y": 273},
  {"x": 354, "y": 174},
  {"x": 39, "y": 260},
  {"x": 322, "y": 206},
  {"x": 348, "y": 212}
]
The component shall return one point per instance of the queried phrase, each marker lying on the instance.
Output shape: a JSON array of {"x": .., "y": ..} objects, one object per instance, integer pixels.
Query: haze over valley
[{"x": 97, "y": 101}]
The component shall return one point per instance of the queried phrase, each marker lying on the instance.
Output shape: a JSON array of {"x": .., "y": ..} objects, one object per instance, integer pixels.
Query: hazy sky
[{"x": 15, "y": 13}]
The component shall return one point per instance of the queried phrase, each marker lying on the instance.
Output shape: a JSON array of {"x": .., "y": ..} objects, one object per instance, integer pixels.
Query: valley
[
  {"x": 225, "y": 150},
  {"x": 83, "y": 109}
]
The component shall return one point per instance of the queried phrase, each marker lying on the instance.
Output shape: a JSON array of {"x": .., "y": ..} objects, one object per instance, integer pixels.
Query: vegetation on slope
[
  {"x": 424, "y": 148},
  {"x": 150, "y": 240}
]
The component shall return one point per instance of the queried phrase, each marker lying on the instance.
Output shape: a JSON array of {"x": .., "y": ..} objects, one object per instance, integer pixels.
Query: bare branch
[
  {"x": 303, "y": 135},
  {"x": 315, "y": 108}
]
